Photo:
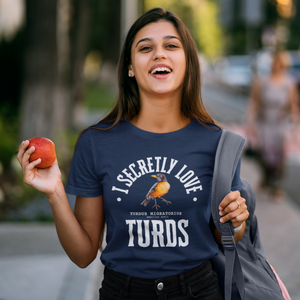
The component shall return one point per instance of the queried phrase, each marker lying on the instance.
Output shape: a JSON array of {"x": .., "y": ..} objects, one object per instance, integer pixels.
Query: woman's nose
[{"x": 159, "y": 53}]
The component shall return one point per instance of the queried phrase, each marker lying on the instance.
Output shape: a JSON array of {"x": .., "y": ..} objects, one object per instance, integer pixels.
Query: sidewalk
[{"x": 33, "y": 265}]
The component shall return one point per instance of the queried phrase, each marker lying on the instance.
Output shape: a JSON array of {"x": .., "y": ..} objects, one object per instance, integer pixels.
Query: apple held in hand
[{"x": 44, "y": 149}]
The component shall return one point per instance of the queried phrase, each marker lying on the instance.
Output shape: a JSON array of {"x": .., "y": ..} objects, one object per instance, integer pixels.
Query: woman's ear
[{"x": 130, "y": 71}]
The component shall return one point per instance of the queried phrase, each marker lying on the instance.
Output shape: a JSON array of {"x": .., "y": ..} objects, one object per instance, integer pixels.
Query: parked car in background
[{"x": 235, "y": 71}]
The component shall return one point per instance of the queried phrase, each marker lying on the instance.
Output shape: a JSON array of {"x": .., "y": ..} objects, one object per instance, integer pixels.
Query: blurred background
[{"x": 58, "y": 63}]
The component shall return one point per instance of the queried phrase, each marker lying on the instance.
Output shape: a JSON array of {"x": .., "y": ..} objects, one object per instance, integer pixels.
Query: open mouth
[{"x": 161, "y": 71}]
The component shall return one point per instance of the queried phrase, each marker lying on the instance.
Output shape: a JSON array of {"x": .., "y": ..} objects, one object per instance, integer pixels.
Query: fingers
[
  {"x": 33, "y": 164},
  {"x": 229, "y": 198},
  {"x": 21, "y": 151},
  {"x": 27, "y": 154},
  {"x": 24, "y": 155},
  {"x": 28, "y": 172},
  {"x": 234, "y": 208},
  {"x": 237, "y": 221}
]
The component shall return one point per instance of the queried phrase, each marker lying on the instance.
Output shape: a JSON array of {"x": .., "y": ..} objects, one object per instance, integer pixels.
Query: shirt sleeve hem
[{"x": 82, "y": 192}]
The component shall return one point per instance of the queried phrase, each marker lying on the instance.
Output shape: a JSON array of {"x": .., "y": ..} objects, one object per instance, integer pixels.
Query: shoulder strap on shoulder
[{"x": 228, "y": 153}]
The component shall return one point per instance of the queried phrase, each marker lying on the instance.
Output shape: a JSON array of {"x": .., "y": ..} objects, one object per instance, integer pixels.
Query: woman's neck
[{"x": 160, "y": 115}]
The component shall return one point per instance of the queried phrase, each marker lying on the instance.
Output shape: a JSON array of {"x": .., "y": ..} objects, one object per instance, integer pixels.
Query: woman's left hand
[{"x": 233, "y": 208}]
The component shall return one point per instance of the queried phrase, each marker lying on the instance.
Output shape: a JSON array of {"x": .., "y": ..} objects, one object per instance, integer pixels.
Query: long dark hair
[{"x": 127, "y": 104}]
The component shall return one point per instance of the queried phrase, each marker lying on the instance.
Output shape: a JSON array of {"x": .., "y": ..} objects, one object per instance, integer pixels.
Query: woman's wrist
[
  {"x": 236, "y": 229},
  {"x": 57, "y": 193}
]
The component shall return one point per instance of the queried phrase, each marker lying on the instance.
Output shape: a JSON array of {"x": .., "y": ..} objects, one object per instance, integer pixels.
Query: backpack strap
[{"x": 228, "y": 153}]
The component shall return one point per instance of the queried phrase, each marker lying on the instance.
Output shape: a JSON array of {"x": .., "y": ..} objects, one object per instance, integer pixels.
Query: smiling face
[{"x": 158, "y": 60}]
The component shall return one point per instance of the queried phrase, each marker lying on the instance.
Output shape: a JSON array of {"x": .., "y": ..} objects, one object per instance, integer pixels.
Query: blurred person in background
[{"x": 273, "y": 99}]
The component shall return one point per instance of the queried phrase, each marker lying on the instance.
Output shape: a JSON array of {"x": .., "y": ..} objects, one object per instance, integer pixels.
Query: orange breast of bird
[{"x": 161, "y": 189}]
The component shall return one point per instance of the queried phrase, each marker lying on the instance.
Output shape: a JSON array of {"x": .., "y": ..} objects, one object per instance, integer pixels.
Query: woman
[
  {"x": 148, "y": 168},
  {"x": 273, "y": 99}
]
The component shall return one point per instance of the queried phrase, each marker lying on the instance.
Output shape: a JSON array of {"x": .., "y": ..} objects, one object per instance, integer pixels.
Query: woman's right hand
[{"x": 44, "y": 180}]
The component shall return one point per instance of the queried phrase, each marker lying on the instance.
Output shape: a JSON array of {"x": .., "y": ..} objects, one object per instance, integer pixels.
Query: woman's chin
[{"x": 165, "y": 90}]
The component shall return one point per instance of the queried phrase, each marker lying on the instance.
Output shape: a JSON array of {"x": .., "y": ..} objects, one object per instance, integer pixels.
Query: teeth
[{"x": 160, "y": 70}]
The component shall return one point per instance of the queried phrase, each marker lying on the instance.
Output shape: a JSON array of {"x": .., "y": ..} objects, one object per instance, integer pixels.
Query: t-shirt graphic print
[
  {"x": 159, "y": 189},
  {"x": 156, "y": 192}
]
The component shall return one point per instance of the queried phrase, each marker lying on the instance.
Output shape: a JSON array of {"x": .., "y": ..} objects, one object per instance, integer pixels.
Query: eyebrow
[{"x": 165, "y": 38}]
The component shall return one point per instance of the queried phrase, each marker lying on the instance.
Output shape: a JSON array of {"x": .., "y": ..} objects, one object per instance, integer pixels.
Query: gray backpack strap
[{"x": 228, "y": 153}]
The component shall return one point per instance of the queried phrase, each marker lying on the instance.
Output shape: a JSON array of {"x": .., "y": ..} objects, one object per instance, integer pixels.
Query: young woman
[
  {"x": 148, "y": 168},
  {"x": 273, "y": 99}
]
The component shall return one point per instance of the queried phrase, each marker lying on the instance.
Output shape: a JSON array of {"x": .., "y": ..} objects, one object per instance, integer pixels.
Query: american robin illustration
[{"x": 160, "y": 188}]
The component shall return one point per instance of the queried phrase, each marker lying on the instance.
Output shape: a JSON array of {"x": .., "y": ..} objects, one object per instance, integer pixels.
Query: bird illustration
[{"x": 160, "y": 188}]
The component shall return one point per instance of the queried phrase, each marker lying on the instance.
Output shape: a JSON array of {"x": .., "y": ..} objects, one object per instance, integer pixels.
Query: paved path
[{"x": 33, "y": 266}]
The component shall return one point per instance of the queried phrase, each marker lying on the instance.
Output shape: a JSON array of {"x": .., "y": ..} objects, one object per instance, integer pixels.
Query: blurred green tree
[
  {"x": 202, "y": 19},
  {"x": 56, "y": 40},
  {"x": 105, "y": 31},
  {"x": 42, "y": 82},
  {"x": 44, "y": 85},
  {"x": 106, "y": 37}
]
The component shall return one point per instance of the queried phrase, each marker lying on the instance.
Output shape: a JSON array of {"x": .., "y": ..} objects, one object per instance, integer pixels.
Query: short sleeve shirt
[{"x": 156, "y": 191}]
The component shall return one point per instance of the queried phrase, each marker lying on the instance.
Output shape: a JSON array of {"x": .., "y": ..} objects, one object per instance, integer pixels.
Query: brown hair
[{"x": 127, "y": 105}]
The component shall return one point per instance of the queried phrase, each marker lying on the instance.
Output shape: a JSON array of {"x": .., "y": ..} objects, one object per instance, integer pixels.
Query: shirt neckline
[{"x": 150, "y": 134}]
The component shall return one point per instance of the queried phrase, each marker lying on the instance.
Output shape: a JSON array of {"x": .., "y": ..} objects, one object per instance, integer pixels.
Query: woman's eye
[
  {"x": 171, "y": 46},
  {"x": 145, "y": 48}
]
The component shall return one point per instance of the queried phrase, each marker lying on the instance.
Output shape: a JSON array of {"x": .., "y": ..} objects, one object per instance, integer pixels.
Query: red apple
[{"x": 44, "y": 149}]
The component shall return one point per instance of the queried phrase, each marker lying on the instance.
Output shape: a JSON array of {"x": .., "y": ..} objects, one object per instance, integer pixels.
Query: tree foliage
[{"x": 202, "y": 19}]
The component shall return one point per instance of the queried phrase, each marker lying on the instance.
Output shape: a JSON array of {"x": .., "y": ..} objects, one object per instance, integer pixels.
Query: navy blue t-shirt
[{"x": 156, "y": 226}]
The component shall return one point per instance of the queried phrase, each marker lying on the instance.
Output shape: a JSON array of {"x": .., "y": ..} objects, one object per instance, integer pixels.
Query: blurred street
[{"x": 34, "y": 266}]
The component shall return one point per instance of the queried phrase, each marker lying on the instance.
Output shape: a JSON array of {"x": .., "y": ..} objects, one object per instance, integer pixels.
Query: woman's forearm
[
  {"x": 73, "y": 238},
  {"x": 295, "y": 106}
]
